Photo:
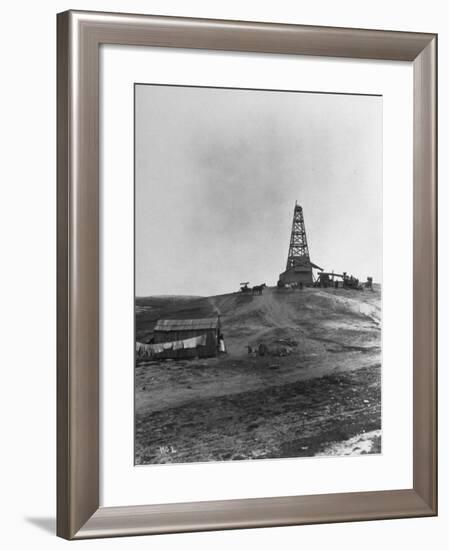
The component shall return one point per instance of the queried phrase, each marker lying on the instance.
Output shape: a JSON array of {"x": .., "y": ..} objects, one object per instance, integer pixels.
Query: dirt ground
[{"x": 318, "y": 392}]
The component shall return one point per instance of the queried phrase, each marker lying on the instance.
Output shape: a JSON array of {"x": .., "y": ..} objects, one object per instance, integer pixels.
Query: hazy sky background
[{"x": 218, "y": 172}]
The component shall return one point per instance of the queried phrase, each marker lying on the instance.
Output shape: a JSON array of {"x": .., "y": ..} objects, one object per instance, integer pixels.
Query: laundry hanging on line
[{"x": 151, "y": 350}]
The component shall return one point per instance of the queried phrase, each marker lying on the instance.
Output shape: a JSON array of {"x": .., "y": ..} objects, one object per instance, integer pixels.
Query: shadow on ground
[{"x": 45, "y": 524}]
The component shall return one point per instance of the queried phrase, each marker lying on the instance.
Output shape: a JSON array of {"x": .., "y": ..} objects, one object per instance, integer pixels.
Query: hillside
[
  {"x": 324, "y": 357},
  {"x": 317, "y": 318}
]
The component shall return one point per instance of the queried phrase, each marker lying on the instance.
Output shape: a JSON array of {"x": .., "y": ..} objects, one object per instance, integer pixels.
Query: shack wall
[
  {"x": 209, "y": 350},
  {"x": 292, "y": 276}
]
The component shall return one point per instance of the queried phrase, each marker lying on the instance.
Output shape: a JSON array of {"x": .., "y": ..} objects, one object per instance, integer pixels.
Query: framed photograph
[{"x": 246, "y": 274}]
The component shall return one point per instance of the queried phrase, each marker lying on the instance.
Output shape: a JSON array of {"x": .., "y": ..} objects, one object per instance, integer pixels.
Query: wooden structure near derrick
[
  {"x": 175, "y": 330},
  {"x": 339, "y": 280},
  {"x": 299, "y": 268}
]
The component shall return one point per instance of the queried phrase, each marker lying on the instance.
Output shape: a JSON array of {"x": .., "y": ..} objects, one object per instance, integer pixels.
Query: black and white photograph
[
  {"x": 258, "y": 274},
  {"x": 224, "y": 251}
]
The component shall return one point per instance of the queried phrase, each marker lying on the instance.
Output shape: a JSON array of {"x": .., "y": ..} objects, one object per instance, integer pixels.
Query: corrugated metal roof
[{"x": 173, "y": 325}]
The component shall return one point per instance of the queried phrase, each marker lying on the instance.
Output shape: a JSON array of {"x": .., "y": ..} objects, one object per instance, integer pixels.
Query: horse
[{"x": 258, "y": 289}]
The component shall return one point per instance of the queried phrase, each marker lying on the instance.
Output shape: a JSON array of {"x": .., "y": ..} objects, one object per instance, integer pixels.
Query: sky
[{"x": 217, "y": 174}]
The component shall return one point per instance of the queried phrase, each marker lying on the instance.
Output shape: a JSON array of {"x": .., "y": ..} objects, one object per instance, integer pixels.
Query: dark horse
[{"x": 258, "y": 289}]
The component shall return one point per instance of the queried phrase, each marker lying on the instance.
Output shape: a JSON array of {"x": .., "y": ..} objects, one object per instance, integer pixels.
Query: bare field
[{"x": 318, "y": 392}]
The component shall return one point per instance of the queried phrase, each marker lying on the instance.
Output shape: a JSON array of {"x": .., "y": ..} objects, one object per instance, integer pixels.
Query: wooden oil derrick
[
  {"x": 299, "y": 269},
  {"x": 298, "y": 252}
]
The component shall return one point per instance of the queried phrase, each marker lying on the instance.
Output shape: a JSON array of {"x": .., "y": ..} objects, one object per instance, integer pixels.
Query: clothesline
[{"x": 150, "y": 350}]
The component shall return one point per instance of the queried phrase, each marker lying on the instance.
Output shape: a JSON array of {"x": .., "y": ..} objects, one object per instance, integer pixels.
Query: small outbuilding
[
  {"x": 200, "y": 337},
  {"x": 301, "y": 272}
]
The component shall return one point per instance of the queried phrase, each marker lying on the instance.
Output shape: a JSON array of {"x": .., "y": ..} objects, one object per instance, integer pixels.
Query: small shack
[
  {"x": 201, "y": 337},
  {"x": 300, "y": 272}
]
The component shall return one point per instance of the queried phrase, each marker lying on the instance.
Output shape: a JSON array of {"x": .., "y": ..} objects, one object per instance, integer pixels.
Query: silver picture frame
[{"x": 79, "y": 36}]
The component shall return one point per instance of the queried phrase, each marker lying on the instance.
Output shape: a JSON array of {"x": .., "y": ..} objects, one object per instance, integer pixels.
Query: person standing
[{"x": 221, "y": 344}]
